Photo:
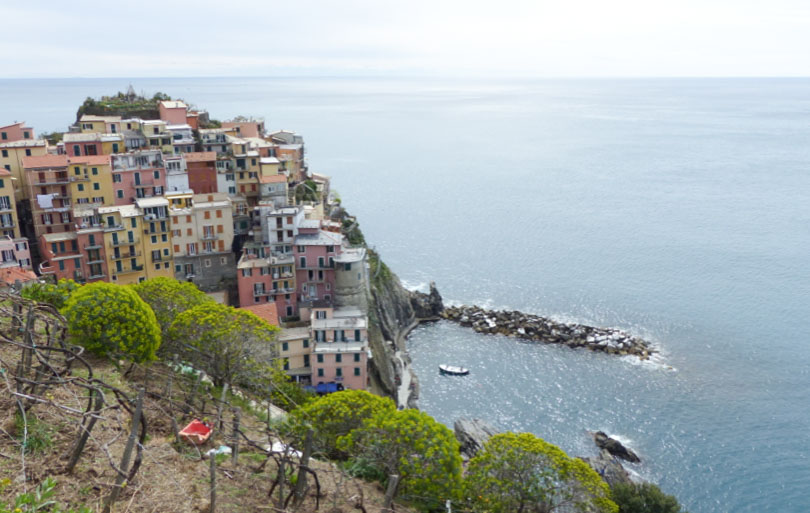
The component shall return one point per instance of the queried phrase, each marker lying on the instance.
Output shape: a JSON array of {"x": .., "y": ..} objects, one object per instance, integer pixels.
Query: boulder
[
  {"x": 614, "y": 447},
  {"x": 426, "y": 306},
  {"x": 607, "y": 466},
  {"x": 472, "y": 434}
]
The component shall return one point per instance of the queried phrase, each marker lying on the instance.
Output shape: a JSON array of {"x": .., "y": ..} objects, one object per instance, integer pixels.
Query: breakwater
[{"x": 544, "y": 330}]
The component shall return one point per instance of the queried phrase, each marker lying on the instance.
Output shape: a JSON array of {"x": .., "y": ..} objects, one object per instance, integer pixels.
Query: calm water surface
[{"x": 675, "y": 209}]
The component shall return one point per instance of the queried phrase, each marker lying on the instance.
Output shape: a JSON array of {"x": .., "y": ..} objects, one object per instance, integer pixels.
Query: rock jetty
[{"x": 547, "y": 331}]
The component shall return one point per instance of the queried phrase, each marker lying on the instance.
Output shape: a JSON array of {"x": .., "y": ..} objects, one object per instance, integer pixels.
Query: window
[
  {"x": 96, "y": 186},
  {"x": 219, "y": 213},
  {"x": 285, "y": 346},
  {"x": 115, "y": 146},
  {"x": 320, "y": 314},
  {"x": 27, "y": 152},
  {"x": 157, "y": 174},
  {"x": 338, "y": 358},
  {"x": 134, "y": 224},
  {"x": 320, "y": 372},
  {"x": 81, "y": 187},
  {"x": 119, "y": 193},
  {"x": 116, "y": 178},
  {"x": 357, "y": 371},
  {"x": 95, "y": 170},
  {"x": 246, "y": 272},
  {"x": 26, "y": 135},
  {"x": 154, "y": 239},
  {"x": 357, "y": 335},
  {"x": 320, "y": 358},
  {"x": 357, "y": 357},
  {"x": 338, "y": 371},
  {"x": 5, "y": 153},
  {"x": 4, "y": 136},
  {"x": 61, "y": 265},
  {"x": 306, "y": 343},
  {"x": 303, "y": 262},
  {"x": 207, "y": 262}
]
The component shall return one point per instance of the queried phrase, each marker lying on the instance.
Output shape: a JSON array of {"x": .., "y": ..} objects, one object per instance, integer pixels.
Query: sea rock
[
  {"x": 427, "y": 306},
  {"x": 607, "y": 466},
  {"x": 614, "y": 447},
  {"x": 472, "y": 434}
]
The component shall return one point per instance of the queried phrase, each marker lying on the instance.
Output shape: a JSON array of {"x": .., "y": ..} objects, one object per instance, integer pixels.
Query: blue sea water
[{"x": 676, "y": 209}]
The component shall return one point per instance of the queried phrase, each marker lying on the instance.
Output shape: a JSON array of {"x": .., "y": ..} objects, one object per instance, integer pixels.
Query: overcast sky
[{"x": 543, "y": 38}]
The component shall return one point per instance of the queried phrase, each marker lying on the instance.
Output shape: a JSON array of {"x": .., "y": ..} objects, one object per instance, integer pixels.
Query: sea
[{"x": 675, "y": 209}]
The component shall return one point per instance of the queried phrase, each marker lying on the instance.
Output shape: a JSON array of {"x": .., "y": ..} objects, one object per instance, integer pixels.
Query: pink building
[
  {"x": 14, "y": 253},
  {"x": 16, "y": 132},
  {"x": 250, "y": 128},
  {"x": 138, "y": 175},
  {"x": 340, "y": 352},
  {"x": 267, "y": 279},
  {"x": 173, "y": 112},
  {"x": 315, "y": 250}
]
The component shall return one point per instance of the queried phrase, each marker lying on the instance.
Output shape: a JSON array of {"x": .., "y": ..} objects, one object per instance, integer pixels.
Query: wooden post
[
  {"x": 220, "y": 405},
  {"x": 85, "y": 431},
  {"x": 393, "y": 482},
  {"x": 281, "y": 477},
  {"x": 235, "y": 437},
  {"x": 122, "y": 470},
  {"x": 213, "y": 467},
  {"x": 301, "y": 482}
]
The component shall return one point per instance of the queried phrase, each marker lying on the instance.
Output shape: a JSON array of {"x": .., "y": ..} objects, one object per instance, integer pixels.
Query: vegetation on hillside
[
  {"x": 643, "y": 498},
  {"x": 126, "y": 105}
]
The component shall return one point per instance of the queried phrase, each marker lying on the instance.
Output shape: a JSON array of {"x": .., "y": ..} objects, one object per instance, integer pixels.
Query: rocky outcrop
[
  {"x": 472, "y": 434},
  {"x": 547, "y": 331},
  {"x": 607, "y": 466},
  {"x": 614, "y": 447},
  {"x": 427, "y": 306}
]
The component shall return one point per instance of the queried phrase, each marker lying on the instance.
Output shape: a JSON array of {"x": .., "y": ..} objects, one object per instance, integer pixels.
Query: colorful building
[
  {"x": 139, "y": 174},
  {"x": 12, "y": 154},
  {"x": 16, "y": 132},
  {"x": 340, "y": 352}
]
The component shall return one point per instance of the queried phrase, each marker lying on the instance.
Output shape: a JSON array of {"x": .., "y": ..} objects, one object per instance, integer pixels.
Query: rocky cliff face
[{"x": 393, "y": 313}]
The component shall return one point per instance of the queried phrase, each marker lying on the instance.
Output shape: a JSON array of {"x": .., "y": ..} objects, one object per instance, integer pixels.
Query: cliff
[{"x": 393, "y": 313}]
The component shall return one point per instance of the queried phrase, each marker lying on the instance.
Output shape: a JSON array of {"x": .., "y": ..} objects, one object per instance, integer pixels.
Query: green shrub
[
  {"x": 335, "y": 415},
  {"x": 521, "y": 472},
  {"x": 643, "y": 498},
  {"x": 53, "y": 294},
  {"x": 411, "y": 444},
  {"x": 112, "y": 320},
  {"x": 40, "y": 499}
]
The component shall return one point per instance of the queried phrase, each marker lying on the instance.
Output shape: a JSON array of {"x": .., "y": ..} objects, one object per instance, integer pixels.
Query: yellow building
[
  {"x": 100, "y": 124},
  {"x": 9, "y": 222},
  {"x": 11, "y": 156},
  {"x": 123, "y": 225},
  {"x": 91, "y": 180},
  {"x": 157, "y": 237}
]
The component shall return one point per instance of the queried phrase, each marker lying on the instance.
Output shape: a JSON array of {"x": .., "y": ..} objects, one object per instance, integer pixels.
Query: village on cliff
[{"x": 227, "y": 206}]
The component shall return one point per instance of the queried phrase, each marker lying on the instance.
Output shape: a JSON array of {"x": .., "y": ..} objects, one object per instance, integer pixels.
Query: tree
[
  {"x": 54, "y": 294},
  {"x": 168, "y": 298},
  {"x": 643, "y": 498},
  {"x": 411, "y": 444},
  {"x": 335, "y": 415},
  {"x": 521, "y": 473},
  {"x": 112, "y": 320},
  {"x": 226, "y": 342}
]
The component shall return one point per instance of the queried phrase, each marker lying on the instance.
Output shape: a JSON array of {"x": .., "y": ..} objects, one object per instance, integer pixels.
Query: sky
[{"x": 494, "y": 38}]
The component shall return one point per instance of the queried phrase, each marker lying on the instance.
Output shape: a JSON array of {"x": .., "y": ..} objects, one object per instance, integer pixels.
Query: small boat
[
  {"x": 453, "y": 370},
  {"x": 196, "y": 432}
]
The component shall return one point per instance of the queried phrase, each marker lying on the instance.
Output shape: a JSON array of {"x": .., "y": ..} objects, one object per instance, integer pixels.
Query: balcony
[
  {"x": 113, "y": 227},
  {"x": 130, "y": 254},
  {"x": 145, "y": 183},
  {"x": 95, "y": 276},
  {"x": 282, "y": 290},
  {"x": 125, "y": 242},
  {"x": 56, "y": 180},
  {"x": 80, "y": 178},
  {"x": 134, "y": 269},
  {"x": 159, "y": 258},
  {"x": 210, "y": 236},
  {"x": 5, "y": 207},
  {"x": 94, "y": 245},
  {"x": 7, "y": 224}
]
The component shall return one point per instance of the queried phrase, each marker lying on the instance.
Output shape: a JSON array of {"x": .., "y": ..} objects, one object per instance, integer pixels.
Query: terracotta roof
[
  {"x": 266, "y": 311},
  {"x": 273, "y": 179},
  {"x": 200, "y": 156},
  {"x": 15, "y": 124},
  {"x": 9, "y": 275},
  {"x": 45, "y": 161},
  {"x": 4, "y": 172},
  {"x": 93, "y": 160}
]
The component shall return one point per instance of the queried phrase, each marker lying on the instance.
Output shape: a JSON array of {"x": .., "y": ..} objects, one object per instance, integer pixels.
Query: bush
[
  {"x": 38, "y": 500},
  {"x": 520, "y": 472},
  {"x": 335, "y": 415},
  {"x": 112, "y": 320},
  {"x": 643, "y": 498},
  {"x": 227, "y": 342},
  {"x": 411, "y": 444},
  {"x": 168, "y": 298},
  {"x": 53, "y": 294}
]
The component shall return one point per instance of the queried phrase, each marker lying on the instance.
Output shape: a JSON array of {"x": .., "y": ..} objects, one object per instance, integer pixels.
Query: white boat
[{"x": 453, "y": 370}]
